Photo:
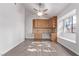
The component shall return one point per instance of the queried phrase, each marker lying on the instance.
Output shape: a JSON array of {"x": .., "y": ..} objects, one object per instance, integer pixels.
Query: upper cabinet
[
  {"x": 46, "y": 23},
  {"x": 40, "y": 23},
  {"x": 53, "y": 23}
]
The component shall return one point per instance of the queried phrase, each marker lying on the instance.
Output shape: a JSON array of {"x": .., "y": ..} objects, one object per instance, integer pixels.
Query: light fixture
[{"x": 40, "y": 13}]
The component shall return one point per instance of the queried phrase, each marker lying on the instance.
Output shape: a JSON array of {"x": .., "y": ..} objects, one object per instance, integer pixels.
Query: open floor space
[{"x": 39, "y": 48}]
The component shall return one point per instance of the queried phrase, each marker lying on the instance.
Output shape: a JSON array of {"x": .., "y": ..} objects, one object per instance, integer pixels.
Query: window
[
  {"x": 74, "y": 23},
  {"x": 67, "y": 26},
  {"x": 70, "y": 24}
]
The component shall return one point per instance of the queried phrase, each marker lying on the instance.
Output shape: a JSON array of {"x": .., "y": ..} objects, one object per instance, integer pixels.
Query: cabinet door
[
  {"x": 40, "y": 23},
  {"x": 37, "y": 36},
  {"x": 54, "y": 37},
  {"x": 53, "y": 22}
]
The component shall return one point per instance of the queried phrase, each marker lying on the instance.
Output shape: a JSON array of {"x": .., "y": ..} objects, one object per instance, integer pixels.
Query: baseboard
[
  {"x": 11, "y": 48},
  {"x": 29, "y": 38},
  {"x": 33, "y": 39},
  {"x": 68, "y": 50}
]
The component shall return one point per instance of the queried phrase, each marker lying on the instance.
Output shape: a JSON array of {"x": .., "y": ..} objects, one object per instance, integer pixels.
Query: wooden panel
[
  {"x": 37, "y": 36},
  {"x": 33, "y": 23},
  {"x": 53, "y": 25},
  {"x": 41, "y": 23},
  {"x": 53, "y": 22},
  {"x": 41, "y": 30},
  {"x": 40, "y": 26},
  {"x": 54, "y": 37}
]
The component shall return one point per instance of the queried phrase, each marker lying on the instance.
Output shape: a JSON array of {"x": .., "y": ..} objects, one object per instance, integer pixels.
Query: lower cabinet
[
  {"x": 54, "y": 37},
  {"x": 37, "y": 36}
]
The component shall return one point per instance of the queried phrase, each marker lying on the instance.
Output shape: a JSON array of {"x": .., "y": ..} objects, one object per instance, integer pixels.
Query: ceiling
[{"x": 53, "y": 8}]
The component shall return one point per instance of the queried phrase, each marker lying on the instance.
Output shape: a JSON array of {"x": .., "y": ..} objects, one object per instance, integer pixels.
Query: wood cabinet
[
  {"x": 44, "y": 25},
  {"x": 40, "y": 26},
  {"x": 54, "y": 37},
  {"x": 40, "y": 23},
  {"x": 38, "y": 36},
  {"x": 53, "y": 22},
  {"x": 53, "y": 25}
]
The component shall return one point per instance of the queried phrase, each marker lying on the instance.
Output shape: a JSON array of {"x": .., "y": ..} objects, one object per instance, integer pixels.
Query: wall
[
  {"x": 65, "y": 37},
  {"x": 11, "y": 26}
]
